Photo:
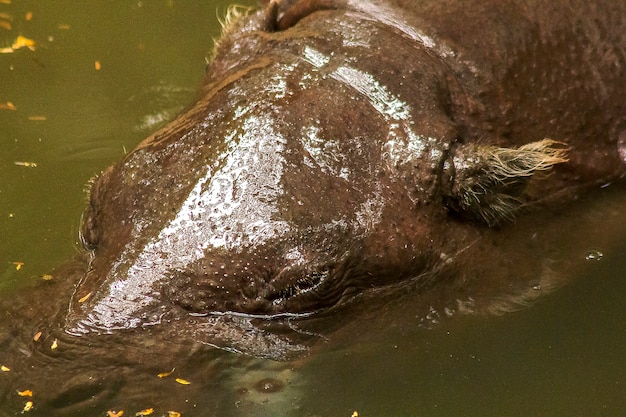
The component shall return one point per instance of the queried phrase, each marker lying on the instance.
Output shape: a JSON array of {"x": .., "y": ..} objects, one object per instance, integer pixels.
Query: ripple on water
[{"x": 269, "y": 385}]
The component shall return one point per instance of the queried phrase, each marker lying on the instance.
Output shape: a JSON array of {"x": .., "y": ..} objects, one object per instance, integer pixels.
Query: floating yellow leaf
[
  {"x": 4, "y": 368},
  {"x": 112, "y": 413},
  {"x": 55, "y": 344},
  {"x": 165, "y": 374},
  {"x": 7, "y": 106},
  {"x": 28, "y": 406},
  {"x": 182, "y": 381},
  {"x": 97, "y": 65},
  {"x": 26, "y": 164},
  {"x": 23, "y": 42},
  {"x": 145, "y": 412},
  {"x": 6, "y": 50},
  {"x": 25, "y": 393},
  {"x": 18, "y": 265},
  {"x": 355, "y": 414},
  {"x": 29, "y": 16},
  {"x": 37, "y": 336},
  {"x": 37, "y": 118},
  {"x": 47, "y": 277},
  {"x": 85, "y": 298},
  {"x": 173, "y": 414}
]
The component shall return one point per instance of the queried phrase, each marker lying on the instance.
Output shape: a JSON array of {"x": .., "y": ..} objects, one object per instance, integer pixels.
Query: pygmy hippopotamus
[
  {"x": 319, "y": 163},
  {"x": 343, "y": 147}
]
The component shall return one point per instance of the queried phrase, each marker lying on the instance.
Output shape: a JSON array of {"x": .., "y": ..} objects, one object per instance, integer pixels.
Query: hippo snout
[{"x": 293, "y": 289}]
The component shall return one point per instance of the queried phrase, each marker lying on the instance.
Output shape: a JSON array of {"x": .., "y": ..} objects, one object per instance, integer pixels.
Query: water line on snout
[{"x": 273, "y": 316}]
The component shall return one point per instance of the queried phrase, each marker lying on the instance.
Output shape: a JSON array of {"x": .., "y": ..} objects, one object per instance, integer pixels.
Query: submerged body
[{"x": 339, "y": 149}]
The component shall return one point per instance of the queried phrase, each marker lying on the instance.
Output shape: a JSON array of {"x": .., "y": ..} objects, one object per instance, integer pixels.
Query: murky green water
[
  {"x": 152, "y": 57},
  {"x": 563, "y": 356}
]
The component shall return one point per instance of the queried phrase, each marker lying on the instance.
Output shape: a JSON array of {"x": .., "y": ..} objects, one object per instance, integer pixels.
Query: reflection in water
[{"x": 563, "y": 356}]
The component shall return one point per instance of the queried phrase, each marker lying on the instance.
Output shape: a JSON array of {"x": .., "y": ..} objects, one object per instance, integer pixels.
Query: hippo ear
[{"x": 488, "y": 183}]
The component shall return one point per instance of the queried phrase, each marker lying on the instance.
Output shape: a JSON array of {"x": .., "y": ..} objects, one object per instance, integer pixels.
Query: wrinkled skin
[{"x": 320, "y": 165}]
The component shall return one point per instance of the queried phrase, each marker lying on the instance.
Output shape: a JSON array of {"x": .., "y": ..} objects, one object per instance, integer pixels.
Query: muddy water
[
  {"x": 563, "y": 356},
  {"x": 73, "y": 120}
]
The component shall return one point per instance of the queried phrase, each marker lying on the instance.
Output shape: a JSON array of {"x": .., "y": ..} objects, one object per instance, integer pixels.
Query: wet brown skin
[{"x": 319, "y": 165}]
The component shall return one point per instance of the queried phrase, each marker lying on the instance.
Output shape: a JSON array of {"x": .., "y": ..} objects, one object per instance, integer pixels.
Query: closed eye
[{"x": 284, "y": 14}]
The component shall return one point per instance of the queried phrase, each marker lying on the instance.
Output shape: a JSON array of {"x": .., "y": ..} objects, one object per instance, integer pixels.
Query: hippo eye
[
  {"x": 283, "y": 14},
  {"x": 89, "y": 231}
]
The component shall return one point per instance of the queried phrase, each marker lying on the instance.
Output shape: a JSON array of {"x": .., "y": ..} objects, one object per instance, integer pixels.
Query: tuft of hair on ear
[
  {"x": 234, "y": 12},
  {"x": 488, "y": 182},
  {"x": 233, "y": 15}
]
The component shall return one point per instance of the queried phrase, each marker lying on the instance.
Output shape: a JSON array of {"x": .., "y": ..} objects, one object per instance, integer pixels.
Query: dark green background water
[{"x": 564, "y": 356}]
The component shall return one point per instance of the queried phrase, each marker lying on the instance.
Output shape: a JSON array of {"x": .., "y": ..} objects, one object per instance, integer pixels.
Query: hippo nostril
[
  {"x": 306, "y": 284},
  {"x": 283, "y": 14}
]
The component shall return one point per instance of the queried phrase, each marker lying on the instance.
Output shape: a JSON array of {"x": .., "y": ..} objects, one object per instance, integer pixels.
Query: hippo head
[{"x": 313, "y": 167}]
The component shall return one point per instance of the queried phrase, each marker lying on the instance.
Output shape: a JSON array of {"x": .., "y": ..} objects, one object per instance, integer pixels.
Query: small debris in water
[
  {"x": 97, "y": 65},
  {"x": 4, "y": 368},
  {"x": 55, "y": 344},
  {"x": 5, "y": 21},
  {"x": 173, "y": 414},
  {"x": 7, "y": 106},
  {"x": 37, "y": 118},
  {"x": 47, "y": 277},
  {"x": 269, "y": 385},
  {"x": 18, "y": 43},
  {"x": 28, "y": 406},
  {"x": 145, "y": 412},
  {"x": 26, "y": 164},
  {"x": 18, "y": 265},
  {"x": 85, "y": 298},
  {"x": 594, "y": 255},
  {"x": 182, "y": 381},
  {"x": 23, "y": 42},
  {"x": 25, "y": 393},
  {"x": 166, "y": 374},
  {"x": 355, "y": 414},
  {"x": 37, "y": 336},
  {"x": 112, "y": 413}
]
